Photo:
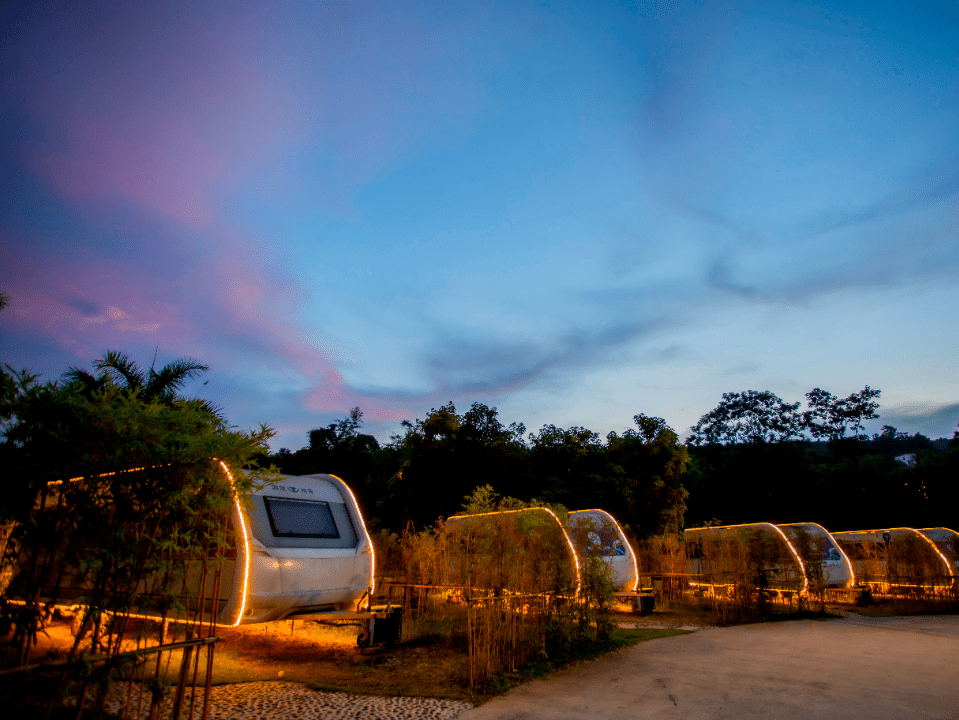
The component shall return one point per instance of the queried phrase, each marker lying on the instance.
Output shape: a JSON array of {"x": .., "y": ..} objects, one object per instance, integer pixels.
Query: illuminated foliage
[{"x": 108, "y": 495}]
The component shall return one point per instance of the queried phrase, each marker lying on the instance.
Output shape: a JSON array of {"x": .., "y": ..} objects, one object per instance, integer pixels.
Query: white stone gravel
[{"x": 291, "y": 701}]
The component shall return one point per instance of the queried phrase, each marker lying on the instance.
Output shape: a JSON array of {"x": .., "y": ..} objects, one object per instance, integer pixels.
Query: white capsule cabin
[
  {"x": 596, "y": 533},
  {"x": 303, "y": 549},
  {"x": 297, "y": 546},
  {"x": 896, "y": 557},
  {"x": 947, "y": 541},
  {"x": 818, "y": 549},
  {"x": 758, "y": 553}
]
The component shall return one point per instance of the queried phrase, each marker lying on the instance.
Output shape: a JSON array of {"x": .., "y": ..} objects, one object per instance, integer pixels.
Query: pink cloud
[
  {"x": 262, "y": 305},
  {"x": 247, "y": 323},
  {"x": 84, "y": 305},
  {"x": 169, "y": 170}
]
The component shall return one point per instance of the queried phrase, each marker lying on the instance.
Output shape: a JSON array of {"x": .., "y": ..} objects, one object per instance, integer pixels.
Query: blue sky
[{"x": 575, "y": 212}]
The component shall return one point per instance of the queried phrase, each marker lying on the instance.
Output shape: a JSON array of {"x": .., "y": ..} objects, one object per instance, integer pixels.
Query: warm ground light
[{"x": 326, "y": 657}]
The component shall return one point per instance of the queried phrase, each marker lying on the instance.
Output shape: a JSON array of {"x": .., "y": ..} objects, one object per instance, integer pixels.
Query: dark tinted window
[{"x": 300, "y": 518}]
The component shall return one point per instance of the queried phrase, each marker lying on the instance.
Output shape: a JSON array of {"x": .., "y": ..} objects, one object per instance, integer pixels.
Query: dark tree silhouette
[
  {"x": 749, "y": 416},
  {"x": 830, "y": 417}
]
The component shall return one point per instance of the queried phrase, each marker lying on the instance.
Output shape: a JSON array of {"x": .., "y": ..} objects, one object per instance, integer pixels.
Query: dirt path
[{"x": 854, "y": 667}]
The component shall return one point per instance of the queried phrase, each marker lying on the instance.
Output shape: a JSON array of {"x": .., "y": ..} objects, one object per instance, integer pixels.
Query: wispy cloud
[
  {"x": 931, "y": 420},
  {"x": 924, "y": 186}
]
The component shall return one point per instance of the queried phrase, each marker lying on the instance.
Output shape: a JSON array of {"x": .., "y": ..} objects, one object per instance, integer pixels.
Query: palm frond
[
  {"x": 209, "y": 408},
  {"x": 120, "y": 366},
  {"x": 86, "y": 380},
  {"x": 172, "y": 377}
]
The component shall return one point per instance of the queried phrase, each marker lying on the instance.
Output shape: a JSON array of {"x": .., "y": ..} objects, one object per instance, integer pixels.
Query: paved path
[{"x": 847, "y": 668}]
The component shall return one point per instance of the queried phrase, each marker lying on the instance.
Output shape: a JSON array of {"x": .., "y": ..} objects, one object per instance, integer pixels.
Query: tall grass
[
  {"x": 504, "y": 586},
  {"x": 907, "y": 570}
]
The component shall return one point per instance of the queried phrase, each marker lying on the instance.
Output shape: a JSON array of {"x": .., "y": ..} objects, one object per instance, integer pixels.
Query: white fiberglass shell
[
  {"x": 596, "y": 533},
  {"x": 808, "y": 538},
  {"x": 303, "y": 549}
]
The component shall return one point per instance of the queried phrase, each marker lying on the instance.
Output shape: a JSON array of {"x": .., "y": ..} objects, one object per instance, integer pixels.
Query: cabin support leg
[{"x": 365, "y": 638}]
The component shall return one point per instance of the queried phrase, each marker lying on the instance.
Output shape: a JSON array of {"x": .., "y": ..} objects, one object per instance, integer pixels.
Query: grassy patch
[{"x": 327, "y": 659}]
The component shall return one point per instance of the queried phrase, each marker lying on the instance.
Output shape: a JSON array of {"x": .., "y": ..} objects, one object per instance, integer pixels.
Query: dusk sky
[{"x": 574, "y": 212}]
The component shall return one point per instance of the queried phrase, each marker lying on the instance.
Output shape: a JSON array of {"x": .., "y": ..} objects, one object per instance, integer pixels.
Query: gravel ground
[{"x": 288, "y": 701}]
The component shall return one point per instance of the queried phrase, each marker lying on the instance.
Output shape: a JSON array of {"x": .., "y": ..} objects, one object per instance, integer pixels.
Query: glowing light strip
[
  {"x": 940, "y": 528},
  {"x": 955, "y": 542},
  {"x": 802, "y": 567},
  {"x": 359, "y": 514},
  {"x": 246, "y": 547},
  {"x": 726, "y": 527},
  {"x": 852, "y": 573},
  {"x": 101, "y": 475},
  {"x": 561, "y": 527},
  {"x": 622, "y": 537},
  {"x": 943, "y": 557}
]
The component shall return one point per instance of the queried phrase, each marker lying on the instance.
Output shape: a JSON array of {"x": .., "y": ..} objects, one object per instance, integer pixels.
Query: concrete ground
[{"x": 854, "y": 667}]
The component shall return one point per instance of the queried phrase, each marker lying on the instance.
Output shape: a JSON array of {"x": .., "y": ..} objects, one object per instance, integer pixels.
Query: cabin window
[
  {"x": 300, "y": 518},
  {"x": 603, "y": 546}
]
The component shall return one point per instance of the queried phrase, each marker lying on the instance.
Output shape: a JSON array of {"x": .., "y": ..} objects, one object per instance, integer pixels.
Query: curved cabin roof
[
  {"x": 817, "y": 530},
  {"x": 902, "y": 534},
  {"x": 516, "y": 550},
  {"x": 947, "y": 541},
  {"x": 743, "y": 532},
  {"x": 610, "y": 543},
  {"x": 613, "y": 540}
]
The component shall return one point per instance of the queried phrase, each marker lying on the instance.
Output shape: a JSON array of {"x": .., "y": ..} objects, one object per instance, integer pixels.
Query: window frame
[{"x": 320, "y": 536}]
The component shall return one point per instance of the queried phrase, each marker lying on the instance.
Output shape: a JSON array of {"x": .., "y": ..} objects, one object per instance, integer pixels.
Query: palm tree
[{"x": 161, "y": 386}]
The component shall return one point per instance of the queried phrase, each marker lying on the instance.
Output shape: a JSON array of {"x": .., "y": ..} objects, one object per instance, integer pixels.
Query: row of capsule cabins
[
  {"x": 786, "y": 555},
  {"x": 302, "y": 549}
]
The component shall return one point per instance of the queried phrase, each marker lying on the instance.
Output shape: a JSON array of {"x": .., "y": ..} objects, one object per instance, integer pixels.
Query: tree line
[
  {"x": 755, "y": 457},
  {"x": 425, "y": 473}
]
